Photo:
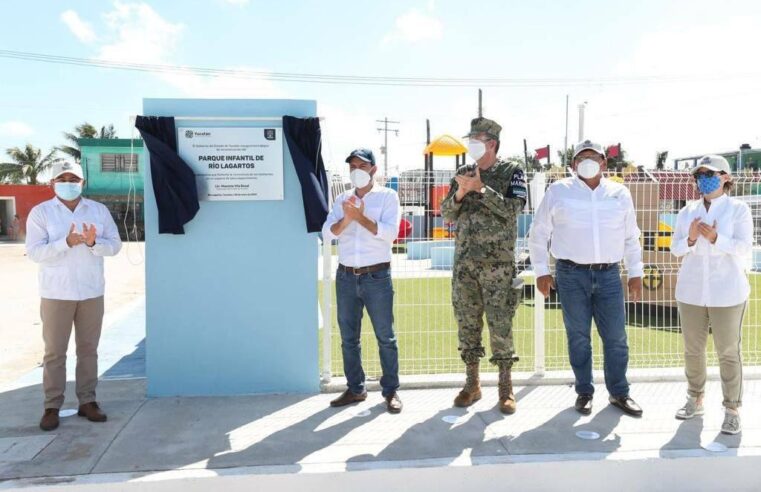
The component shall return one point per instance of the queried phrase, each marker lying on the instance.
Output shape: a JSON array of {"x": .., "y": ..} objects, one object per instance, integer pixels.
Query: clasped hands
[
  {"x": 699, "y": 228},
  {"x": 354, "y": 208},
  {"x": 87, "y": 237},
  {"x": 468, "y": 182}
]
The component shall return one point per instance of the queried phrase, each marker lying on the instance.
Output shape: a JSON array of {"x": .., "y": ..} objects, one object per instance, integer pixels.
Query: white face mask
[
  {"x": 360, "y": 178},
  {"x": 588, "y": 168},
  {"x": 476, "y": 149}
]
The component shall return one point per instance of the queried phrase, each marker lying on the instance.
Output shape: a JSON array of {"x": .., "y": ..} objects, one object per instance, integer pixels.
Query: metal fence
[{"x": 421, "y": 268}]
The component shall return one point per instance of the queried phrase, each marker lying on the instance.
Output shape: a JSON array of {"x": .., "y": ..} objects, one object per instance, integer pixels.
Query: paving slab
[{"x": 77, "y": 445}]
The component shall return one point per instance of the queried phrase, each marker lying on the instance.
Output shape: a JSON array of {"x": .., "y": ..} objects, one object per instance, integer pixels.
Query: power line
[{"x": 365, "y": 80}]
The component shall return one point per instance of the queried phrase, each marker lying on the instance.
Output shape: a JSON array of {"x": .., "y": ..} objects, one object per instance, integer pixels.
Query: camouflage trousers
[{"x": 480, "y": 287}]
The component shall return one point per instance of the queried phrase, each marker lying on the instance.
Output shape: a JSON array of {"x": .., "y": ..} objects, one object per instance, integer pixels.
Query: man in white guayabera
[
  {"x": 365, "y": 220},
  {"x": 68, "y": 236}
]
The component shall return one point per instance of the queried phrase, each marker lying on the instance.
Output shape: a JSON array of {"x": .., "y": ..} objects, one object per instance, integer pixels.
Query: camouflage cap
[{"x": 484, "y": 125}]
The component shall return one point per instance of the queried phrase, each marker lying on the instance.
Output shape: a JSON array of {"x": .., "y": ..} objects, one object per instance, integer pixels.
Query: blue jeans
[
  {"x": 598, "y": 294},
  {"x": 375, "y": 292}
]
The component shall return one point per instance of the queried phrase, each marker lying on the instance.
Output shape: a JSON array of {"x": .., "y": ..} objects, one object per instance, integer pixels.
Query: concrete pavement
[
  {"x": 301, "y": 433},
  {"x": 181, "y": 440}
]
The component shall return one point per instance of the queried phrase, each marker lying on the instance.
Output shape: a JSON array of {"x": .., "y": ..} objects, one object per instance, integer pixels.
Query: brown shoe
[
  {"x": 507, "y": 402},
  {"x": 347, "y": 398},
  {"x": 393, "y": 403},
  {"x": 92, "y": 411},
  {"x": 471, "y": 392},
  {"x": 50, "y": 419}
]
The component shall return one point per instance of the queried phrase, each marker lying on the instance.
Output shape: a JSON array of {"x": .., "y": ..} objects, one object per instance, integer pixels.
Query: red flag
[
  {"x": 543, "y": 153},
  {"x": 613, "y": 151}
]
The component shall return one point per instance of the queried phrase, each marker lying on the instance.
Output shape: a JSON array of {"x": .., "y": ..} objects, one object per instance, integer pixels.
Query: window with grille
[{"x": 118, "y": 163}]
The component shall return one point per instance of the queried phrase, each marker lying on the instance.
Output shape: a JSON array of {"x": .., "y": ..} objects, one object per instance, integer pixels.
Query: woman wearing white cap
[{"x": 715, "y": 237}]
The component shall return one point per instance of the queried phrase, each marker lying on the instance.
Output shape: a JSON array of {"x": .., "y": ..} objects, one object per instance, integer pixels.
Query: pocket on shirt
[
  {"x": 55, "y": 276},
  {"x": 374, "y": 212},
  {"x": 611, "y": 214},
  {"x": 56, "y": 232}
]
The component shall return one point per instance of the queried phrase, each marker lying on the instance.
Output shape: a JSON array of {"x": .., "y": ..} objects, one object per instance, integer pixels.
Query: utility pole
[
  {"x": 565, "y": 142},
  {"x": 480, "y": 105},
  {"x": 385, "y": 131},
  {"x": 582, "y": 107}
]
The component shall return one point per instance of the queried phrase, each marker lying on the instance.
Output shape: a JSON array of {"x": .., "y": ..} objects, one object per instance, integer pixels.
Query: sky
[{"x": 681, "y": 76}]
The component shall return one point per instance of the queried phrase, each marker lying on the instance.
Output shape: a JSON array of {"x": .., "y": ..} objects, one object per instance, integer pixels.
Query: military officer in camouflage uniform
[{"x": 484, "y": 201}]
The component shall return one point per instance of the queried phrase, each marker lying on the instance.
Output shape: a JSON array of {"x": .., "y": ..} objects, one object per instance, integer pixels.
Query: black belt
[
  {"x": 365, "y": 269},
  {"x": 591, "y": 266}
]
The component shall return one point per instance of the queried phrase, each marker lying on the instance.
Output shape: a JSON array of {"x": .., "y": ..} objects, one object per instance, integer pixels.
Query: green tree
[
  {"x": 27, "y": 164},
  {"x": 565, "y": 158},
  {"x": 85, "y": 130}
]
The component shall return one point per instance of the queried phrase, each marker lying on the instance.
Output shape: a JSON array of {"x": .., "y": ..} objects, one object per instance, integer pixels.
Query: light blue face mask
[{"x": 68, "y": 191}]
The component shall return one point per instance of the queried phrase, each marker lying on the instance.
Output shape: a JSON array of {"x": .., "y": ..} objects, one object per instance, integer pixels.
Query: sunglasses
[{"x": 708, "y": 174}]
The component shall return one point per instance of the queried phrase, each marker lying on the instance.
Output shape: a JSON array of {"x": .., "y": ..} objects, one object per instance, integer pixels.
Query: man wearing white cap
[
  {"x": 590, "y": 225},
  {"x": 68, "y": 236}
]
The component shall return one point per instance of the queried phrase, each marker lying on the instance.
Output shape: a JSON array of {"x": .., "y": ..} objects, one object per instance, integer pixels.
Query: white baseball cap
[
  {"x": 587, "y": 145},
  {"x": 712, "y": 162},
  {"x": 68, "y": 167}
]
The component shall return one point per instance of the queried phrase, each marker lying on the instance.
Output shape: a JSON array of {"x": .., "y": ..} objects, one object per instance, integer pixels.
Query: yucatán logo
[
  {"x": 188, "y": 133},
  {"x": 269, "y": 133},
  {"x": 193, "y": 133}
]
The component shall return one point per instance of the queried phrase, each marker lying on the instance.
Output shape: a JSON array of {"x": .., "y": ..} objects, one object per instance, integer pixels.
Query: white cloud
[
  {"x": 225, "y": 87},
  {"x": 138, "y": 34},
  {"x": 238, "y": 3},
  {"x": 415, "y": 26},
  {"x": 15, "y": 129},
  {"x": 81, "y": 29}
]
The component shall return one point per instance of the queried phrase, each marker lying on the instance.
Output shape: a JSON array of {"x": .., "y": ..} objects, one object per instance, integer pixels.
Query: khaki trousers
[
  {"x": 726, "y": 326},
  {"x": 57, "y": 319}
]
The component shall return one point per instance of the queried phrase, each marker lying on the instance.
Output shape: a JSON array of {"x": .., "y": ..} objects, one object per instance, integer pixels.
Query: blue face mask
[
  {"x": 67, "y": 191},
  {"x": 708, "y": 185}
]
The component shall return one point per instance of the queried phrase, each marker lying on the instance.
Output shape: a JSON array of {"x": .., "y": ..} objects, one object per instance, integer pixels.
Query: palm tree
[
  {"x": 85, "y": 130},
  {"x": 27, "y": 164}
]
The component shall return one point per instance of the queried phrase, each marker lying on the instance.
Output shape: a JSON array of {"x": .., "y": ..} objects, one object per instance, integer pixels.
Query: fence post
[
  {"x": 539, "y": 304},
  {"x": 327, "y": 318}
]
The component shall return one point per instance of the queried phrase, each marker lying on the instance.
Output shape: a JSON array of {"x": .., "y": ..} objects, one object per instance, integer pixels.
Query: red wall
[{"x": 27, "y": 196}]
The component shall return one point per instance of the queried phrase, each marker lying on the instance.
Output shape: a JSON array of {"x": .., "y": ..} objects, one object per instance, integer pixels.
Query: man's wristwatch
[{"x": 483, "y": 190}]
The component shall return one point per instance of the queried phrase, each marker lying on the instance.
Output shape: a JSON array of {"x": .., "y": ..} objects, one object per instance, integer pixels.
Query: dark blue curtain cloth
[
  {"x": 303, "y": 136},
  {"x": 174, "y": 183}
]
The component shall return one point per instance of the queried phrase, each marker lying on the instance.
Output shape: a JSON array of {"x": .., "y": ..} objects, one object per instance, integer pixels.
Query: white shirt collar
[
  {"x": 374, "y": 188},
  {"x": 583, "y": 183},
  {"x": 82, "y": 203},
  {"x": 719, "y": 199}
]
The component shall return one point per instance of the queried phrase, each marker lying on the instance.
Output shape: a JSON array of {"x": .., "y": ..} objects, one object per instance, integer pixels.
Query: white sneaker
[
  {"x": 731, "y": 423},
  {"x": 690, "y": 409}
]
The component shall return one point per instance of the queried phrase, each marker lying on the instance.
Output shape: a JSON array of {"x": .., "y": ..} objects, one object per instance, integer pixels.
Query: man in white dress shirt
[
  {"x": 365, "y": 220},
  {"x": 68, "y": 236},
  {"x": 590, "y": 225}
]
